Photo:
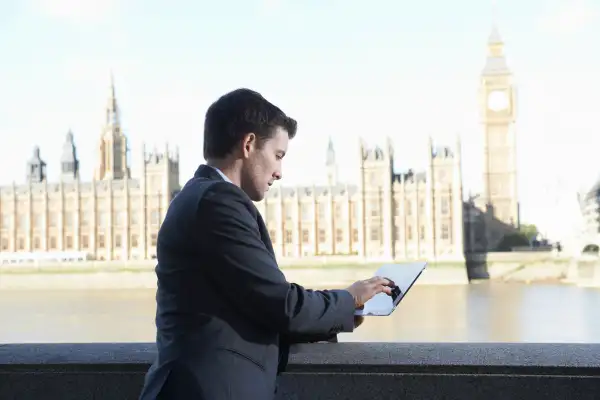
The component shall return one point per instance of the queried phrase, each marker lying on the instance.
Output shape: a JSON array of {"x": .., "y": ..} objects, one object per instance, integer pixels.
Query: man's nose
[{"x": 277, "y": 175}]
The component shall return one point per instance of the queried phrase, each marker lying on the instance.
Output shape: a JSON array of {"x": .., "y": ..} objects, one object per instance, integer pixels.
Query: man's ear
[{"x": 248, "y": 144}]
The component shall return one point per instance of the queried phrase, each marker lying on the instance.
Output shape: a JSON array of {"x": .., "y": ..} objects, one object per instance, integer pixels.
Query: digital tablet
[{"x": 404, "y": 276}]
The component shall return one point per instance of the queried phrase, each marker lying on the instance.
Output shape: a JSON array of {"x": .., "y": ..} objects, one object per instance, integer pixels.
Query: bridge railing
[{"x": 415, "y": 371}]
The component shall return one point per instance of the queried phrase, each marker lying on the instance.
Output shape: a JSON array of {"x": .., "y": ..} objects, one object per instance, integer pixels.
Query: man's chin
[{"x": 256, "y": 197}]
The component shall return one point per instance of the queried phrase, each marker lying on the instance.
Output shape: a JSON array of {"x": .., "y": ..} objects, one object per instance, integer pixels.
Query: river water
[{"x": 486, "y": 312}]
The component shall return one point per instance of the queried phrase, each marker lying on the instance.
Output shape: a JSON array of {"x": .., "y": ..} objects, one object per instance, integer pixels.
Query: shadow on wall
[{"x": 484, "y": 233}]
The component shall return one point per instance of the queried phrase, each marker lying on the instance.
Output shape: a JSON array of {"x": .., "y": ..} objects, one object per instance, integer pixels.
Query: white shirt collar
[{"x": 225, "y": 178}]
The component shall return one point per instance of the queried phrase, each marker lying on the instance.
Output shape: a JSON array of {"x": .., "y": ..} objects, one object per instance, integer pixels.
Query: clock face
[{"x": 498, "y": 101}]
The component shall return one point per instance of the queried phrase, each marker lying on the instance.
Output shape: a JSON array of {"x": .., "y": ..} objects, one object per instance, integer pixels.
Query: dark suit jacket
[{"x": 225, "y": 313}]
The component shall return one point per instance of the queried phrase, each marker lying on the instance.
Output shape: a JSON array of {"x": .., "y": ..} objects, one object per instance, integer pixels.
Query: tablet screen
[{"x": 403, "y": 276}]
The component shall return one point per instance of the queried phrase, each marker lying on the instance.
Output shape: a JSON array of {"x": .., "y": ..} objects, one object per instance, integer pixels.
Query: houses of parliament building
[{"x": 387, "y": 215}]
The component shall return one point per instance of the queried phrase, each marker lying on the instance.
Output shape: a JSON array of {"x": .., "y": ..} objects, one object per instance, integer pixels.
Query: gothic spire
[
  {"x": 496, "y": 61},
  {"x": 112, "y": 152},
  {"x": 36, "y": 167},
  {"x": 69, "y": 168},
  {"x": 330, "y": 159},
  {"x": 495, "y": 38},
  {"x": 112, "y": 109}
]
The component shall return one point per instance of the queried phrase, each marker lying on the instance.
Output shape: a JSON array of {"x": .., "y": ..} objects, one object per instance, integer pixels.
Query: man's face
[{"x": 262, "y": 164}]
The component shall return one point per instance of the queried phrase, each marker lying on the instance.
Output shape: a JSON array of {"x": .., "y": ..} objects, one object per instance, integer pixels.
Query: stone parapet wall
[{"x": 416, "y": 371}]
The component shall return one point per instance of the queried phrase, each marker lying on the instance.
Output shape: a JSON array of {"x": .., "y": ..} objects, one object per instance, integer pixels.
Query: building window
[
  {"x": 154, "y": 217},
  {"x": 68, "y": 219},
  {"x": 6, "y": 221},
  {"x": 52, "y": 219},
  {"x": 4, "y": 244},
  {"x": 288, "y": 236},
  {"x": 85, "y": 241},
  {"x": 305, "y": 236},
  {"x": 287, "y": 210},
  {"x": 153, "y": 239},
  {"x": 441, "y": 176},
  {"x": 355, "y": 235},
  {"x": 272, "y": 235},
  {"x": 409, "y": 232},
  {"x": 373, "y": 178},
  {"x": 374, "y": 208},
  {"x": 103, "y": 219},
  {"x": 408, "y": 207},
  {"x": 375, "y": 233},
  {"x": 322, "y": 211},
  {"x": 21, "y": 244},
  {"x": 22, "y": 223},
  {"x": 53, "y": 242},
  {"x": 421, "y": 207},
  {"x": 38, "y": 221},
  {"x": 445, "y": 232},
  {"x": 322, "y": 236},
  {"x": 398, "y": 232},
  {"x": 36, "y": 243},
  {"x": 306, "y": 214},
  {"x": 338, "y": 211},
  {"x": 339, "y": 235},
  {"x": 133, "y": 217},
  {"x": 134, "y": 240},
  {"x": 118, "y": 241},
  {"x": 422, "y": 233},
  {"x": 69, "y": 242},
  {"x": 444, "y": 206},
  {"x": 85, "y": 218},
  {"x": 120, "y": 218},
  {"x": 101, "y": 243},
  {"x": 355, "y": 209}
]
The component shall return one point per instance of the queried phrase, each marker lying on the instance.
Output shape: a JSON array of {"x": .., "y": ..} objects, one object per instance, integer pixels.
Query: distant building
[
  {"x": 589, "y": 240},
  {"x": 497, "y": 207},
  {"x": 113, "y": 217},
  {"x": 410, "y": 215},
  {"x": 388, "y": 215}
]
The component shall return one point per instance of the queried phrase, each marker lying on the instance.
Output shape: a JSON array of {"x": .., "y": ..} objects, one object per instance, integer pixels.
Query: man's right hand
[{"x": 363, "y": 291}]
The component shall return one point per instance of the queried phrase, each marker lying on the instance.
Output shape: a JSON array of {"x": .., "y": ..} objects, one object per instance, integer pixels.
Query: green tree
[
  {"x": 530, "y": 231},
  {"x": 512, "y": 240}
]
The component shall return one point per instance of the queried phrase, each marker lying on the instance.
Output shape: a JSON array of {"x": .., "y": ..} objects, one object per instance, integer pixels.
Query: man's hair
[{"x": 238, "y": 113}]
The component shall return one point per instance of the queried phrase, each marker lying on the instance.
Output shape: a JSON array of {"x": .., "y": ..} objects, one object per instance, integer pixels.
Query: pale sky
[{"x": 343, "y": 68}]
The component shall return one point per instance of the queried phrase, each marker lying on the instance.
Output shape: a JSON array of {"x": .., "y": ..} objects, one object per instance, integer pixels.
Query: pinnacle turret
[{"x": 69, "y": 164}]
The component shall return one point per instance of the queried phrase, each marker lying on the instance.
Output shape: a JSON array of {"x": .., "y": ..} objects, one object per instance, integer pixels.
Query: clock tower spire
[{"x": 498, "y": 116}]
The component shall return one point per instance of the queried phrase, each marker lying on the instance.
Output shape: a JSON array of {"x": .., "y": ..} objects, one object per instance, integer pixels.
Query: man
[{"x": 225, "y": 313}]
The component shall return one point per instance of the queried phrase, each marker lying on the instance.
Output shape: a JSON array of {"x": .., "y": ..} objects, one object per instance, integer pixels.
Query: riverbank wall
[
  {"x": 331, "y": 272},
  {"x": 145, "y": 278}
]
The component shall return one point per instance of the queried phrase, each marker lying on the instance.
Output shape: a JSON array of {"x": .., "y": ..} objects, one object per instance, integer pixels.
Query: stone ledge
[
  {"x": 327, "y": 371},
  {"x": 326, "y": 355}
]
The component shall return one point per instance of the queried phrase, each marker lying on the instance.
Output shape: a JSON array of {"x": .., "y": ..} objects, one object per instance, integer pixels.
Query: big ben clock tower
[{"x": 498, "y": 114}]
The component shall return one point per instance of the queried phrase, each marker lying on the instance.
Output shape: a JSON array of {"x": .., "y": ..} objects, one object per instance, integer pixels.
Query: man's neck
[{"x": 230, "y": 171}]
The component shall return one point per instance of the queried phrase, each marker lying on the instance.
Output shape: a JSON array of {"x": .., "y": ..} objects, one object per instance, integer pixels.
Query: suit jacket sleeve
[{"x": 248, "y": 275}]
